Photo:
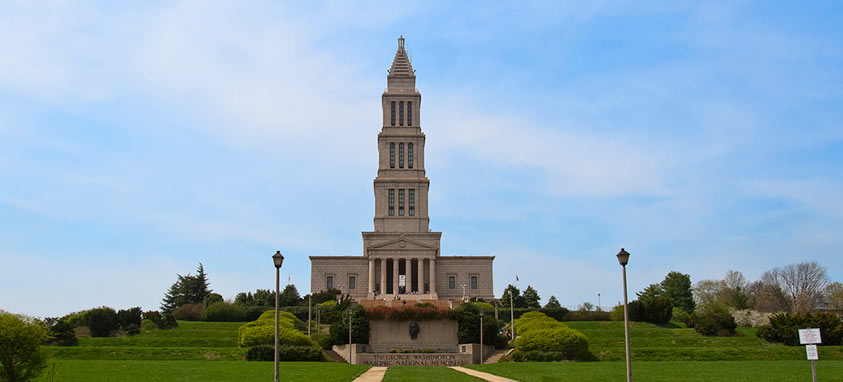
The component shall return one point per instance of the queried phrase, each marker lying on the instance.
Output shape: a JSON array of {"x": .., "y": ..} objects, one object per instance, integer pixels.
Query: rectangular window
[
  {"x": 329, "y": 282},
  {"x": 352, "y": 282},
  {"x": 401, "y": 202},
  {"x": 391, "y": 155},
  {"x": 409, "y": 155},
  {"x": 401, "y": 155},
  {"x": 409, "y": 113},
  {"x": 391, "y": 202},
  {"x": 473, "y": 282},
  {"x": 452, "y": 282},
  {"x": 412, "y": 202},
  {"x": 392, "y": 113},
  {"x": 401, "y": 113}
]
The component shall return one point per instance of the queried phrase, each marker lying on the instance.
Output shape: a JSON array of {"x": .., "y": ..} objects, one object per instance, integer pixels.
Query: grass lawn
[
  {"x": 222, "y": 371},
  {"x": 650, "y": 342},
  {"x": 426, "y": 373},
  {"x": 687, "y": 371},
  {"x": 189, "y": 341}
]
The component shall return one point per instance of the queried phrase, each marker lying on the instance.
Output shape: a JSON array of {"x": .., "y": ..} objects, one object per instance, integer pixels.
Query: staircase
[
  {"x": 497, "y": 355},
  {"x": 334, "y": 357}
]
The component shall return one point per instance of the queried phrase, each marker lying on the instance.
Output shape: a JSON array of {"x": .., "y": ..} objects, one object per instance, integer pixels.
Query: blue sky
[{"x": 139, "y": 139}]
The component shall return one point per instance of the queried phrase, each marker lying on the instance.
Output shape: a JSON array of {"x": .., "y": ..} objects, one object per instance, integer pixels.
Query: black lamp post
[
  {"x": 278, "y": 260},
  {"x": 623, "y": 259}
]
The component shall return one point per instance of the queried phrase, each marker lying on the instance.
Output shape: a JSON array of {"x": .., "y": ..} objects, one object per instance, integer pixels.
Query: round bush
[
  {"x": 102, "y": 321},
  {"x": 571, "y": 343},
  {"x": 265, "y": 335},
  {"x": 717, "y": 322},
  {"x": 535, "y": 320}
]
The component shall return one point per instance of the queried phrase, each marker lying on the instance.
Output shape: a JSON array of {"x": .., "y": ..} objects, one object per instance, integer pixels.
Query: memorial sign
[{"x": 809, "y": 336}]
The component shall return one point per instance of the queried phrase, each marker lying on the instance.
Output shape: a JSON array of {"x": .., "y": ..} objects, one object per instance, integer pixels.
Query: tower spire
[{"x": 402, "y": 77}]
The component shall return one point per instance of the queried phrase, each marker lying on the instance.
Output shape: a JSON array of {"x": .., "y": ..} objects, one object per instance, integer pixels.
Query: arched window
[
  {"x": 409, "y": 113},
  {"x": 409, "y": 155},
  {"x": 392, "y": 113},
  {"x": 400, "y": 155},
  {"x": 392, "y": 155},
  {"x": 401, "y": 113},
  {"x": 391, "y": 202}
]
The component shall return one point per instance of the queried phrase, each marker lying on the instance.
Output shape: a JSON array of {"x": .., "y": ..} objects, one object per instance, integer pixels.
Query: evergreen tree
[
  {"x": 289, "y": 297},
  {"x": 553, "y": 303},
  {"x": 517, "y": 299},
  {"x": 531, "y": 298},
  {"x": 677, "y": 288},
  {"x": 650, "y": 292},
  {"x": 187, "y": 289}
]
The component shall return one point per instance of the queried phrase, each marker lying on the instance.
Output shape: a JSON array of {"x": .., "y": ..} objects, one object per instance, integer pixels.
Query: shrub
[
  {"x": 265, "y": 335},
  {"x": 637, "y": 311},
  {"x": 253, "y": 312},
  {"x": 129, "y": 319},
  {"x": 147, "y": 325},
  {"x": 189, "y": 312},
  {"x": 659, "y": 310},
  {"x": 61, "y": 334},
  {"x": 572, "y": 344},
  {"x": 21, "y": 358},
  {"x": 468, "y": 324},
  {"x": 617, "y": 313},
  {"x": 359, "y": 328},
  {"x": 224, "y": 311},
  {"x": 556, "y": 313},
  {"x": 484, "y": 306},
  {"x": 161, "y": 322},
  {"x": 102, "y": 321},
  {"x": 262, "y": 330},
  {"x": 323, "y": 340},
  {"x": 714, "y": 322},
  {"x": 535, "y": 321},
  {"x": 679, "y": 315},
  {"x": 785, "y": 327},
  {"x": 285, "y": 353},
  {"x": 212, "y": 298}
]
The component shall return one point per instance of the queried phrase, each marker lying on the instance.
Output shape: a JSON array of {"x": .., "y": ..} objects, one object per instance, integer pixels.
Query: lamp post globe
[
  {"x": 623, "y": 257},
  {"x": 278, "y": 259}
]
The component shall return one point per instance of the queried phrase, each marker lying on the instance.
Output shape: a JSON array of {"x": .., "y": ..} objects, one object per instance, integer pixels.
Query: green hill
[{"x": 650, "y": 342}]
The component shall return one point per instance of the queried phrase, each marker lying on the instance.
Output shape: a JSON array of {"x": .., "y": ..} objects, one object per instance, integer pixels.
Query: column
[
  {"x": 383, "y": 276},
  {"x": 395, "y": 276},
  {"x": 371, "y": 277},
  {"x": 412, "y": 276},
  {"x": 433, "y": 277}
]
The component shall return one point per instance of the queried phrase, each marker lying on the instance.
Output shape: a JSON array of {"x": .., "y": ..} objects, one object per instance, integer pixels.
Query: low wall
[
  {"x": 439, "y": 336},
  {"x": 413, "y": 359},
  {"x": 474, "y": 351}
]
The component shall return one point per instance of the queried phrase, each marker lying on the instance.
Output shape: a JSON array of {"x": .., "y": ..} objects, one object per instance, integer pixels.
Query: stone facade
[{"x": 401, "y": 257}]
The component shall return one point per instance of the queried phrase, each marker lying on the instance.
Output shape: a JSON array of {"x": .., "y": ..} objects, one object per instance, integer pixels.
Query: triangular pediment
[{"x": 402, "y": 243}]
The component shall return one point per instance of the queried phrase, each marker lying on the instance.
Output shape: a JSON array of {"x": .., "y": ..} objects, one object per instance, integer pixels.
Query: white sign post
[{"x": 810, "y": 338}]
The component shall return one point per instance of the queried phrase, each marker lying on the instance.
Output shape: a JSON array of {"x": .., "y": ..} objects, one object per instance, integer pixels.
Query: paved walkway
[
  {"x": 374, "y": 374},
  {"x": 482, "y": 375}
]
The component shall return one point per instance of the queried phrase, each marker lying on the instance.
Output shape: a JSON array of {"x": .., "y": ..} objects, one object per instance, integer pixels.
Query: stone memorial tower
[{"x": 401, "y": 256}]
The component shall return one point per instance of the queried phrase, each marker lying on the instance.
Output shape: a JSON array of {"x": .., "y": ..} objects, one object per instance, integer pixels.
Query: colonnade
[{"x": 412, "y": 278}]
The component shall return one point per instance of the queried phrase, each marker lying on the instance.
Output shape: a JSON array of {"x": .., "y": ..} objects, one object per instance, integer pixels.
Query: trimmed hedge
[
  {"x": 224, "y": 312},
  {"x": 285, "y": 353}
]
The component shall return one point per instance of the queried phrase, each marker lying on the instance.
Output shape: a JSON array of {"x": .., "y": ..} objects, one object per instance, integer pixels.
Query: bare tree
[{"x": 802, "y": 284}]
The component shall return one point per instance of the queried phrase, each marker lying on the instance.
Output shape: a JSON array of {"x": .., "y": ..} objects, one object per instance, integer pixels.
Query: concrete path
[
  {"x": 482, "y": 375},
  {"x": 374, "y": 374}
]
